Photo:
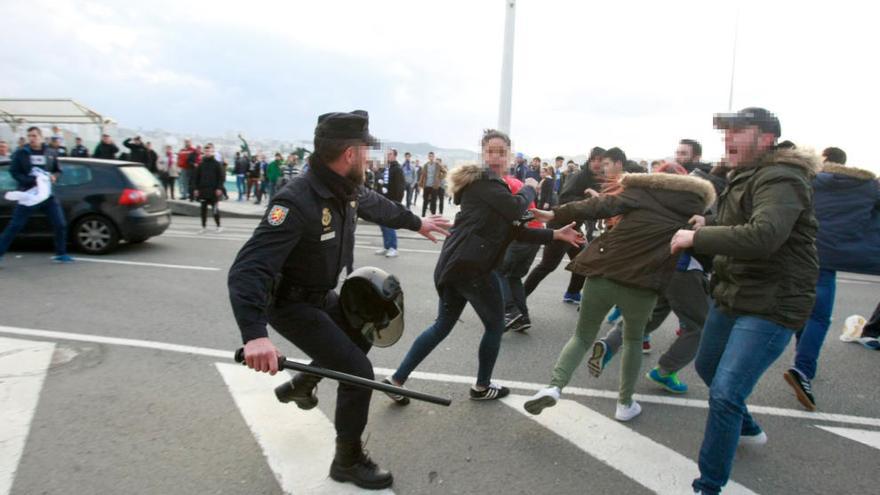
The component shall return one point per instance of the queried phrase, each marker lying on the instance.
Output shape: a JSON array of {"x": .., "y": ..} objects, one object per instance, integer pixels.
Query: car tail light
[{"x": 132, "y": 197}]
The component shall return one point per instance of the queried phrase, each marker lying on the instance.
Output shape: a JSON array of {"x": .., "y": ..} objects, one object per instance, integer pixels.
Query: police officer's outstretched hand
[
  {"x": 261, "y": 355},
  {"x": 434, "y": 224}
]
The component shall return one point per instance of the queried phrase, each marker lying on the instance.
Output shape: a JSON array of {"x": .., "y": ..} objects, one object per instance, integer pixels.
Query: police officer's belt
[{"x": 303, "y": 295}]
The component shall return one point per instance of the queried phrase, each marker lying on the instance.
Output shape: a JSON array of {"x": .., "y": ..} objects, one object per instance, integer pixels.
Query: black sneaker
[
  {"x": 492, "y": 392},
  {"x": 803, "y": 389},
  {"x": 397, "y": 398},
  {"x": 510, "y": 319},
  {"x": 521, "y": 324}
]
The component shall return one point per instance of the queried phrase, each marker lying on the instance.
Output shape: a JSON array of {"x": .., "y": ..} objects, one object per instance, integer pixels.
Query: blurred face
[
  {"x": 684, "y": 154},
  {"x": 744, "y": 146},
  {"x": 545, "y": 173},
  {"x": 35, "y": 139},
  {"x": 597, "y": 165},
  {"x": 187, "y": 143},
  {"x": 430, "y": 157},
  {"x": 559, "y": 163},
  {"x": 390, "y": 156},
  {"x": 611, "y": 168},
  {"x": 356, "y": 157},
  {"x": 209, "y": 150},
  {"x": 496, "y": 155},
  {"x": 4, "y": 148},
  {"x": 79, "y": 141},
  {"x": 106, "y": 139},
  {"x": 536, "y": 163},
  {"x": 167, "y": 148},
  {"x": 407, "y": 156}
]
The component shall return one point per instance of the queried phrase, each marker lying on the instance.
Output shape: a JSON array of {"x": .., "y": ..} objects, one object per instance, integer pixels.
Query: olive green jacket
[{"x": 764, "y": 240}]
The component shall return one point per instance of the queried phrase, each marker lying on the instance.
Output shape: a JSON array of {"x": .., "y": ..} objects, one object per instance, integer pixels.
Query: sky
[{"x": 635, "y": 74}]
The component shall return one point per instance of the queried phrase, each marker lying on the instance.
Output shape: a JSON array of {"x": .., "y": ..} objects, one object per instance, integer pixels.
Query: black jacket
[
  {"x": 138, "y": 152},
  {"x": 25, "y": 158},
  {"x": 152, "y": 159},
  {"x": 396, "y": 186},
  {"x": 576, "y": 184},
  {"x": 303, "y": 242},
  {"x": 105, "y": 151},
  {"x": 79, "y": 151},
  {"x": 208, "y": 177},
  {"x": 487, "y": 223}
]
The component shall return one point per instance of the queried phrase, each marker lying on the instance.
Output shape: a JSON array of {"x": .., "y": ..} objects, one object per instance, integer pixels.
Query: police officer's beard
[{"x": 356, "y": 175}]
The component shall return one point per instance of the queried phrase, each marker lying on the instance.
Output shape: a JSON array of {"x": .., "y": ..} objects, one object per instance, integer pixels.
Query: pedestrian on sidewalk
[
  {"x": 410, "y": 178},
  {"x": 847, "y": 205},
  {"x": 240, "y": 170},
  {"x": 429, "y": 182},
  {"x": 36, "y": 155},
  {"x": 765, "y": 270},
  {"x": 183, "y": 164},
  {"x": 273, "y": 174},
  {"x": 628, "y": 266},
  {"x": 208, "y": 181},
  {"x": 106, "y": 149},
  {"x": 465, "y": 273},
  {"x": 168, "y": 171},
  {"x": 392, "y": 187}
]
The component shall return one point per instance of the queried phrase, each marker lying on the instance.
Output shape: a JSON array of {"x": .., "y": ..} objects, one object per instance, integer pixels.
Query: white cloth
[{"x": 36, "y": 194}]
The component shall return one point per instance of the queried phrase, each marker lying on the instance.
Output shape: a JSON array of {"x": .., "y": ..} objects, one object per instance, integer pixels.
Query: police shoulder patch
[{"x": 277, "y": 215}]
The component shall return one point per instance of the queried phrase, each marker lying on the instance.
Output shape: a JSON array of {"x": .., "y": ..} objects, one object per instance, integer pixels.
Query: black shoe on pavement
[
  {"x": 353, "y": 464},
  {"x": 510, "y": 319},
  {"x": 803, "y": 389},
  {"x": 492, "y": 392},
  {"x": 302, "y": 390},
  {"x": 397, "y": 398},
  {"x": 522, "y": 324}
]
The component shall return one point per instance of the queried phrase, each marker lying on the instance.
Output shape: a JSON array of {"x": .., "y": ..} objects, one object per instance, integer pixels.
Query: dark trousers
[
  {"x": 441, "y": 194},
  {"x": 514, "y": 267},
  {"x": 429, "y": 199},
  {"x": 484, "y": 295},
  {"x": 553, "y": 254},
  {"x": 215, "y": 210},
  {"x": 409, "y": 195},
  {"x": 52, "y": 209},
  {"x": 872, "y": 328},
  {"x": 321, "y": 332},
  {"x": 168, "y": 185}
]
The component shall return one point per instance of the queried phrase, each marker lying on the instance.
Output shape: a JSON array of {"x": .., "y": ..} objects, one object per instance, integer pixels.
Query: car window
[
  {"x": 140, "y": 177},
  {"x": 74, "y": 175},
  {"x": 7, "y": 183}
]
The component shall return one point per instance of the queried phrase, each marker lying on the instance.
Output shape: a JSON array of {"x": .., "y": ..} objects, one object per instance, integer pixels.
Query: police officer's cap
[{"x": 354, "y": 125}]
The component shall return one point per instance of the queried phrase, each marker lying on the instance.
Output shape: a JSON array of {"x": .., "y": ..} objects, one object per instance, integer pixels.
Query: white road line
[
  {"x": 152, "y": 265},
  {"x": 300, "y": 448},
  {"x": 23, "y": 366},
  {"x": 868, "y": 437},
  {"x": 641, "y": 459},
  {"x": 446, "y": 378}
]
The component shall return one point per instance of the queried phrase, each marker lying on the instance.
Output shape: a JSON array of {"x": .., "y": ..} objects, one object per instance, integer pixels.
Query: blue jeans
[
  {"x": 484, "y": 294},
  {"x": 389, "y": 237},
  {"x": 183, "y": 181},
  {"x": 734, "y": 352},
  {"x": 810, "y": 339},
  {"x": 239, "y": 185},
  {"x": 52, "y": 208}
]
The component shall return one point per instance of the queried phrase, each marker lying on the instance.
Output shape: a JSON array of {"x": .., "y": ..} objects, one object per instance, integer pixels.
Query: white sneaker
[
  {"x": 201, "y": 231},
  {"x": 852, "y": 328},
  {"x": 392, "y": 253},
  {"x": 380, "y": 252},
  {"x": 757, "y": 440},
  {"x": 543, "y": 399},
  {"x": 626, "y": 413},
  {"x": 218, "y": 230}
]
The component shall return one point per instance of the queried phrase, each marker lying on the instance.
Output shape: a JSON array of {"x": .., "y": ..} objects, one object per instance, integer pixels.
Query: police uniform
[{"x": 285, "y": 275}]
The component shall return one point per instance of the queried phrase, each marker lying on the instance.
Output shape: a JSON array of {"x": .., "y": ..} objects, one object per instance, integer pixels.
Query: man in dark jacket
[
  {"x": 207, "y": 182},
  {"x": 576, "y": 188},
  {"x": 766, "y": 266},
  {"x": 79, "y": 151},
  {"x": 152, "y": 159},
  {"x": 847, "y": 205},
  {"x": 688, "y": 155},
  {"x": 392, "y": 185},
  {"x": 137, "y": 150},
  {"x": 106, "y": 149},
  {"x": 33, "y": 155}
]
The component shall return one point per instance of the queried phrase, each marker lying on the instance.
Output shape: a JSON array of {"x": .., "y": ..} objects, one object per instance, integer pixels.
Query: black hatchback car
[{"x": 104, "y": 202}]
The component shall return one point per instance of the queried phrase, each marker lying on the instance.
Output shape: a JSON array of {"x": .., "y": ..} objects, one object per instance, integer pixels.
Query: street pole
[
  {"x": 507, "y": 68},
  {"x": 733, "y": 62}
]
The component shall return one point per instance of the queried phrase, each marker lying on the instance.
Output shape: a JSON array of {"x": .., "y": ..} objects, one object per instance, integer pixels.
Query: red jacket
[{"x": 515, "y": 185}]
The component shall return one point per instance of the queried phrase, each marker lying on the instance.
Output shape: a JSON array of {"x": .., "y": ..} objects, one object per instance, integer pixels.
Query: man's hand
[
  {"x": 543, "y": 216},
  {"x": 196, "y": 193},
  {"x": 591, "y": 192},
  {"x": 531, "y": 182},
  {"x": 683, "y": 239},
  {"x": 218, "y": 192},
  {"x": 261, "y": 355},
  {"x": 434, "y": 224},
  {"x": 53, "y": 178},
  {"x": 570, "y": 235},
  {"x": 698, "y": 221}
]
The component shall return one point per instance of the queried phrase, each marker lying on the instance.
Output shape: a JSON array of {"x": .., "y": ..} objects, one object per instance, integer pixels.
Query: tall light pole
[
  {"x": 733, "y": 62},
  {"x": 507, "y": 67}
]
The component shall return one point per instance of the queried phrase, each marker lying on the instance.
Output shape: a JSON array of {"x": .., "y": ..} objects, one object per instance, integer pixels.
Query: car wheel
[{"x": 95, "y": 235}]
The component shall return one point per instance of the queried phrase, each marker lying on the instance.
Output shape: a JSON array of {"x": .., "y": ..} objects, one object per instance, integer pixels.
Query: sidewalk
[{"x": 231, "y": 208}]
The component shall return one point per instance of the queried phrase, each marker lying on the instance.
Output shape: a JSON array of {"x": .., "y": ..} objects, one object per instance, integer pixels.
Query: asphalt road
[{"x": 134, "y": 416}]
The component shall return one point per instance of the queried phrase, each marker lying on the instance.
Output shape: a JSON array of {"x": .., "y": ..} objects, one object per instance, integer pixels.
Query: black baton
[{"x": 284, "y": 363}]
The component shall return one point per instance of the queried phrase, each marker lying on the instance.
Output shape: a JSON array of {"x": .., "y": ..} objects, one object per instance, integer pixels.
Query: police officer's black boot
[
  {"x": 352, "y": 463},
  {"x": 302, "y": 389}
]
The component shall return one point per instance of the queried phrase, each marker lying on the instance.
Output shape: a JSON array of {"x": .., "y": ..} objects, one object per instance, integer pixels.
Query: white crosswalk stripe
[
  {"x": 23, "y": 367},
  {"x": 652, "y": 465}
]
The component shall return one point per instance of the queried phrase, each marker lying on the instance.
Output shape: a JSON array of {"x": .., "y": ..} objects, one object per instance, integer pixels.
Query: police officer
[{"x": 286, "y": 274}]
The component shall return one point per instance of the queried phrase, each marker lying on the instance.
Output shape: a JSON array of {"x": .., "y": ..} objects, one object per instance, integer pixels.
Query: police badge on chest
[{"x": 327, "y": 232}]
